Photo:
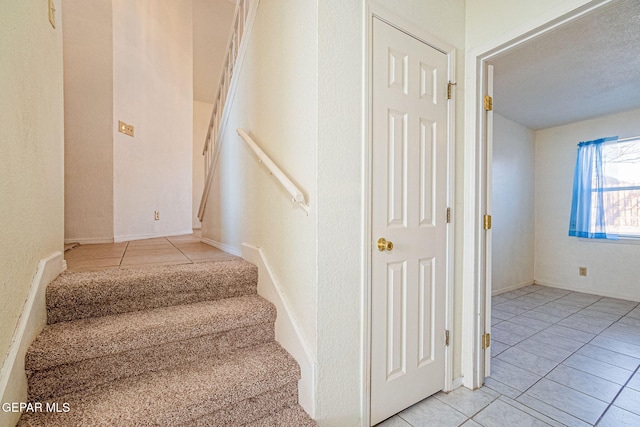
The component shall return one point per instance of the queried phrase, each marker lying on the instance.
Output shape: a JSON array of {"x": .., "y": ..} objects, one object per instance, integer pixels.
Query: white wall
[
  {"x": 339, "y": 254},
  {"x": 491, "y": 20},
  {"x": 153, "y": 90},
  {"x": 32, "y": 155},
  {"x": 201, "y": 116},
  {"x": 88, "y": 98},
  {"x": 612, "y": 268},
  {"x": 513, "y": 238}
]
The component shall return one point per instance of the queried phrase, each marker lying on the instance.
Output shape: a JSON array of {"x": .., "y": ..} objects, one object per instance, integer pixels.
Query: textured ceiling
[{"x": 584, "y": 69}]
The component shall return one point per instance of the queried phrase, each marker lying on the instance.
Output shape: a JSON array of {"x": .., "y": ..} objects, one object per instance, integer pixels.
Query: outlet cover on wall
[
  {"x": 156, "y": 215},
  {"x": 582, "y": 271}
]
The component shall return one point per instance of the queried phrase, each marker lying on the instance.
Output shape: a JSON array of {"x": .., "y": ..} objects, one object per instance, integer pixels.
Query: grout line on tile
[
  {"x": 126, "y": 247},
  {"x": 617, "y": 394},
  {"x": 180, "y": 250}
]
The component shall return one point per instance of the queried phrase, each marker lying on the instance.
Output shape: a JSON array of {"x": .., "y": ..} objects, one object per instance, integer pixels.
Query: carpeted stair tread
[
  {"x": 76, "y": 295},
  {"x": 69, "y": 342},
  {"x": 292, "y": 416},
  {"x": 90, "y": 374},
  {"x": 178, "y": 395}
]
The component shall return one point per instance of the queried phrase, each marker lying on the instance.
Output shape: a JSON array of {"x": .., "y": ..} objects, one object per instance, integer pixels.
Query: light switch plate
[{"x": 125, "y": 128}]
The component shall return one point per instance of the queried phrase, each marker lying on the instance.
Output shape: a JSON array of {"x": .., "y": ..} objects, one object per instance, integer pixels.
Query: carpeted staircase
[{"x": 170, "y": 346}]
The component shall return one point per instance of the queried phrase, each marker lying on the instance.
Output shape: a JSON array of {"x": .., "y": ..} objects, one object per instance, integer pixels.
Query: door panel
[{"x": 409, "y": 186}]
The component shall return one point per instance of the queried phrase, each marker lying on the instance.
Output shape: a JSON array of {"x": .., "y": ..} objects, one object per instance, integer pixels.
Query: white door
[{"x": 409, "y": 186}]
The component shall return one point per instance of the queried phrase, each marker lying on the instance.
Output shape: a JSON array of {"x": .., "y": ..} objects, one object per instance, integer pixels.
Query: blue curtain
[{"x": 587, "y": 208}]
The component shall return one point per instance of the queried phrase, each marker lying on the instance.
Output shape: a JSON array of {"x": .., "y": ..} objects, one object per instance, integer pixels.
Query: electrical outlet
[
  {"x": 125, "y": 128},
  {"x": 582, "y": 271},
  {"x": 52, "y": 13},
  {"x": 156, "y": 215}
]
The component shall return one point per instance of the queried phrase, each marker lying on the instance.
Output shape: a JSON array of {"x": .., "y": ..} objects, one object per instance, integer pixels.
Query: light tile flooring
[
  {"x": 143, "y": 253},
  {"x": 558, "y": 358}
]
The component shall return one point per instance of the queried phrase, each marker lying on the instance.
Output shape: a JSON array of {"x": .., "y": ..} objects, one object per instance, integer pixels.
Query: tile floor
[
  {"x": 558, "y": 358},
  {"x": 143, "y": 253}
]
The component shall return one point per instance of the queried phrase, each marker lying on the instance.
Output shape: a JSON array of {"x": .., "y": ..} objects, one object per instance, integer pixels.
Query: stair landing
[{"x": 185, "y": 249}]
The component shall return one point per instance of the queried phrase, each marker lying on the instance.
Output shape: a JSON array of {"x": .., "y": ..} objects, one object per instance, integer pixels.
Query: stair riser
[
  {"x": 250, "y": 410},
  {"x": 79, "y": 295},
  {"x": 240, "y": 413},
  {"x": 93, "y": 373},
  {"x": 179, "y": 395},
  {"x": 84, "y": 339}
]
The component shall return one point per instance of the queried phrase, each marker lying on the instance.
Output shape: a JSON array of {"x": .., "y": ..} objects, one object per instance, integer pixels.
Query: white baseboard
[
  {"x": 13, "y": 380},
  {"x": 89, "y": 240},
  {"x": 599, "y": 292},
  {"x": 128, "y": 238},
  {"x": 457, "y": 382},
  {"x": 512, "y": 288},
  {"x": 226, "y": 248},
  {"x": 288, "y": 332}
]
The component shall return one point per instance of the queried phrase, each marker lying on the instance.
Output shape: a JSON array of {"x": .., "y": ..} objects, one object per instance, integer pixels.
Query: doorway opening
[{"x": 527, "y": 245}]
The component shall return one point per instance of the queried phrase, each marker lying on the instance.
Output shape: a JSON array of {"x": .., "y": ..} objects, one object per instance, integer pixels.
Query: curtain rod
[{"x": 627, "y": 139}]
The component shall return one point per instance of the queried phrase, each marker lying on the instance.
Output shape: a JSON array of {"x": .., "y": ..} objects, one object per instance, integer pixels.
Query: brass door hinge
[
  {"x": 488, "y": 103},
  {"x": 449, "y": 89},
  {"x": 486, "y": 341},
  {"x": 446, "y": 338},
  {"x": 486, "y": 222},
  {"x": 448, "y": 215}
]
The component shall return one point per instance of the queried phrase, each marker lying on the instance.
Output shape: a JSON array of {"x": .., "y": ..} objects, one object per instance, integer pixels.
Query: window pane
[{"x": 621, "y": 170}]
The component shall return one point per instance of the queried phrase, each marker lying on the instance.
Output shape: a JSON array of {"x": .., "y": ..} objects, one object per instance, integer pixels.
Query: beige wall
[
  {"x": 89, "y": 125},
  {"x": 152, "y": 90},
  {"x": 276, "y": 104},
  {"x": 211, "y": 28},
  {"x": 129, "y": 61},
  {"x": 31, "y": 159}
]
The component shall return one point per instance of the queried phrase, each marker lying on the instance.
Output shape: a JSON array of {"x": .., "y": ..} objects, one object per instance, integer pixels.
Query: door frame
[
  {"x": 476, "y": 283},
  {"x": 372, "y": 11}
]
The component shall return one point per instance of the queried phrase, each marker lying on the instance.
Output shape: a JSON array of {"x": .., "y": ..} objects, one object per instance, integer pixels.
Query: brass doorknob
[{"x": 384, "y": 245}]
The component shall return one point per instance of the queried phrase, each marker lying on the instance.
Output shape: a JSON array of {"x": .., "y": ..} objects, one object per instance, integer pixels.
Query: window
[{"x": 606, "y": 189}]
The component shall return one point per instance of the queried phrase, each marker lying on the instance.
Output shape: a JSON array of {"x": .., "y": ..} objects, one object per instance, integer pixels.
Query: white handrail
[{"x": 292, "y": 189}]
